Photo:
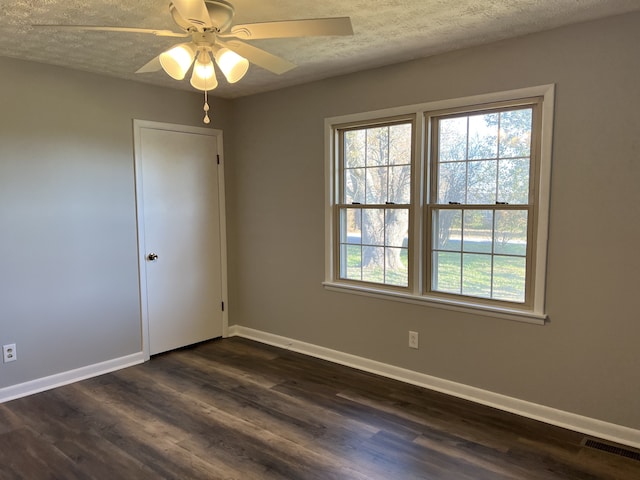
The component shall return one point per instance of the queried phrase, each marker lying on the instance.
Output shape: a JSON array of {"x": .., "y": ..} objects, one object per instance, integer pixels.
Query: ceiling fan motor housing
[{"x": 220, "y": 12}]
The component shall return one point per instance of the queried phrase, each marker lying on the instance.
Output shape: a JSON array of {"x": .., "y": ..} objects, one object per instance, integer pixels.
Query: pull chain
[{"x": 206, "y": 107}]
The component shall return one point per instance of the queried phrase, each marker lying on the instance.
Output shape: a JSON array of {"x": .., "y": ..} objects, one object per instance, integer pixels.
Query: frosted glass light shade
[
  {"x": 232, "y": 65},
  {"x": 204, "y": 75},
  {"x": 177, "y": 60}
]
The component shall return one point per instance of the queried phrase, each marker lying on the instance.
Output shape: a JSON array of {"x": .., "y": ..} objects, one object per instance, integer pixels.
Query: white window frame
[{"x": 535, "y": 312}]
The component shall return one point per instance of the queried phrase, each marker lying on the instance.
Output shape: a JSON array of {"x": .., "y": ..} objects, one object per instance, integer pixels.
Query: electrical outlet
[
  {"x": 413, "y": 339},
  {"x": 9, "y": 353}
]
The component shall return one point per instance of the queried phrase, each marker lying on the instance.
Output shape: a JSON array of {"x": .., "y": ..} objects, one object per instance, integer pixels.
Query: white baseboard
[
  {"x": 588, "y": 426},
  {"x": 71, "y": 376}
]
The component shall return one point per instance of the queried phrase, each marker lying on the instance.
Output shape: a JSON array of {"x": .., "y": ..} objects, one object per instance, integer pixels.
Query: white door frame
[{"x": 142, "y": 264}]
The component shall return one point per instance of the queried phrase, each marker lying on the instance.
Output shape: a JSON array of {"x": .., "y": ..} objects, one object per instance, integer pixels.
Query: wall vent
[{"x": 615, "y": 449}]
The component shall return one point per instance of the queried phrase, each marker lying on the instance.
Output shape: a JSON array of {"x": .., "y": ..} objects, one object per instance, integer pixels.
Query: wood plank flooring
[{"x": 237, "y": 409}]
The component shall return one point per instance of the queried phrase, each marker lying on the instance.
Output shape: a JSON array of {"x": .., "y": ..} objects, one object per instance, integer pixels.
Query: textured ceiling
[{"x": 386, "y": 32}]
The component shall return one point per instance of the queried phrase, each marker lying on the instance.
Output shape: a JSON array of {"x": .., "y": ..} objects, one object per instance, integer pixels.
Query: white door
[{"x": 180, "y": 234}]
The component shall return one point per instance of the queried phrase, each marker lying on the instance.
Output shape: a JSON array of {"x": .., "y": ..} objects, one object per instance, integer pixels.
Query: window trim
[{"x": 535, "y": 313}]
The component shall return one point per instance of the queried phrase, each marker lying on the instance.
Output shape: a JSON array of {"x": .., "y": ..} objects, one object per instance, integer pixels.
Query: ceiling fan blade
[
  {"x": 258, "y": 56},
  {"x": 151, "y": 66},
  {"x": 293, "y": 28},
  {"x": 159, "y": 33},
  {"x": 194, "y": 11}
]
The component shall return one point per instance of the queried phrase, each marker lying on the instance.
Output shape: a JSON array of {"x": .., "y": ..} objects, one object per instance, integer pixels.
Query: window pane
[
  {"x": 478, "y": 231},
  {"x": 452, "y": 139},
  {"x": 515, "y": 133},
  {"x": 354, "y": 148},
  {"x": 400, "y": 144},
  {"x": 376, "y": 185},
  {"x": 476, "y": 275},
  {"x": 446, "y": 272},
  {"x": 513, "y": 181},
  {"x": 354, "y": 186},
  {"x": 350, "y": 249},
  {"x": 351, "y": 262},
  {"x": 447, "y": 229},
  {"x": 377, "y": 146},
  {"x": 483, "y": 136},
  {"x": 396, "y": 271},
  {"x": 350, "y": 222},
  {"x": 373, "y": 264},
  {"x": 509, "y": 278},
  {"x": 372, "y": 226},
  {"x": 400, "y": 184},
  {"x": 511, "y": 232},
  {"x": 397, "y": 227},
  {"x": 452, "y": 182},
  {"x": 482, "y": 182}
]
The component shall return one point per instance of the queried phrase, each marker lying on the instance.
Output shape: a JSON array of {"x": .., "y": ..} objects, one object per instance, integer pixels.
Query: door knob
[{"x": 152, "y": 256}]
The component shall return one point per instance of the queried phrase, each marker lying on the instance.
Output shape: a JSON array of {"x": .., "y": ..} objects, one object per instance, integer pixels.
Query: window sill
[{"x": 459, "y": 306}]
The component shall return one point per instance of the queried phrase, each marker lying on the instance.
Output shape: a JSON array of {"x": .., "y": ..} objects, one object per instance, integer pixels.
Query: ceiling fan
[{"x": 209, "y": 25}]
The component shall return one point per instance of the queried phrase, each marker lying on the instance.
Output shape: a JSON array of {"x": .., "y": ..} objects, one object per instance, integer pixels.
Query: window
[
  {"x": 373, "y": 213},
  {"x": 443, "y": 203},
  {"x": 482, "y": 202}
]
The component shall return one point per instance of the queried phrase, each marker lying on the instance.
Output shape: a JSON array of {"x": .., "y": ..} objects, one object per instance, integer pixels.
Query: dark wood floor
[{"x": 236, "y": 409}]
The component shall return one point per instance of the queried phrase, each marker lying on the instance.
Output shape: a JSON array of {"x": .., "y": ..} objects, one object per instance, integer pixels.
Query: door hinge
[
  {"x": 218, "y": 157},
  {"x": 223, "y": 306}
]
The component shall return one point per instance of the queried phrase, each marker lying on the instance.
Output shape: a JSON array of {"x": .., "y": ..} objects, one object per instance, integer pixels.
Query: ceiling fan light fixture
[
  {"x": 233, "y": 66},
  {"x": 203, "y": 76},
  {"x": 177, "y": 60}
]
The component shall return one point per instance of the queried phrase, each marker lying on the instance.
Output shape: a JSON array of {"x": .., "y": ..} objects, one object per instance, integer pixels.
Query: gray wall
[
  {"x": 68, "y": 247},
  {"x": 587, "y": 359}
]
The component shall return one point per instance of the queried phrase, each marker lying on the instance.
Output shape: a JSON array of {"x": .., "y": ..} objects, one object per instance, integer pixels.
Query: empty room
[{"x": 401, "y": 239}]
